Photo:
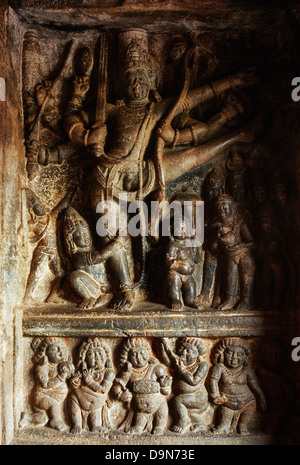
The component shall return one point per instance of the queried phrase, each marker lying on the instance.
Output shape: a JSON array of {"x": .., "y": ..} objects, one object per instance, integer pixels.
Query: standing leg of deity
[
  {"x": 174, "y": 290},
  {"x": 189, "y": 292},
  {"x": 108, "y": 225},
  {"x": 209, "y": 271},
  {"x": 119, "y": 267},
  {"x": 232, "y": 275},
  {"x": 246, "y": 272}
]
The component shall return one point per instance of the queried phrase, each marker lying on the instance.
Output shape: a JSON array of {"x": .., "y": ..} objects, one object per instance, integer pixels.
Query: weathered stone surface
[
  {"x": 131, "y": 333},
  {"x": 148, "y": 319}
]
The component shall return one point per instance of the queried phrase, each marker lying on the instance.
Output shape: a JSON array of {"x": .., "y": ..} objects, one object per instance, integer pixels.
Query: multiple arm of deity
[{"x": 195, "y": 132}]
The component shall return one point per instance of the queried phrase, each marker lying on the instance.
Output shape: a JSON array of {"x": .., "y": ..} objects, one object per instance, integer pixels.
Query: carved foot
[
  {"x": 244, "y": 304},
  {"x": 221, "y": 430},
  {"x": 216, "y": 302},
  {"x": 135, "y": 430},
  {"x": 203, "y": 301},
  {"x": 181, "y": 428},
  {"x": 76, "y": 430},
  {"x": 177, "y": 305},
  {"x": 87, "y": 303},
  {"x": 124, "y": 301},
  {"x": 99, "y": 429},
  {"x": 227, "y": 304},
  {"x": 243, "y": 430},
  {"x": 199, "y": 428},
  {"x": 34, "y": 419},
  {"x": 157, "y": 431},
  {"x": 58, "y": 425},
  {"x": 23, "y": 420},
  {"x": 194, "y": 305}
]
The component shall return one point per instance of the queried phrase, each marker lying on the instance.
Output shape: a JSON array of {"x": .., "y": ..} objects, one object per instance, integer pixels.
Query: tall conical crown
[{"x": 133, "y": 50}]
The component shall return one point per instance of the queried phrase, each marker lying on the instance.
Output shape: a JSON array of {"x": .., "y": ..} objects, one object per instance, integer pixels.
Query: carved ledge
[
  {"x": 150, "y": 319},
  {"x": 41, "y": 436}
]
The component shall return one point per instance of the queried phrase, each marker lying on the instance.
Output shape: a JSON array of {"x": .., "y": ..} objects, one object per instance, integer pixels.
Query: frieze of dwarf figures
[{"x": 164, "y": 386}]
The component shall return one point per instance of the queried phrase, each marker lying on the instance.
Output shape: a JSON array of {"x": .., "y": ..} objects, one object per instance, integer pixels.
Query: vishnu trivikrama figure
[{"x": 123, "y": 142}]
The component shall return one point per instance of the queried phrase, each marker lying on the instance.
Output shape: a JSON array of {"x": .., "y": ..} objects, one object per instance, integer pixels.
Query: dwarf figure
[
  {"x": 180, "y": 260},
  {"x": 191, "y": 398},
  {"x": 234, "y": 241},
  {"x": 144, "y": 384},
  {"x": 51, "y": 371},
  {"x": 91, "y": 383},
  {"x": 234, "y": 387}
]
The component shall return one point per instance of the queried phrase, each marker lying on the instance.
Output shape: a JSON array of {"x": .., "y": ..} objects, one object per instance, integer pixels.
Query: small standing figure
[
  {"x": 235, "y": 242},
  {"x": 180, "y": 259},
  {"x": 46, "y": 270},
  {"x": 234, "y": 387},
  {"x": 51, "y": 371},
  {"x": 213, "y": 187},
  {"x": 91, "y": 383},
  {"x": 144, "y": 384},
  {"x": 191, "y": 398}
]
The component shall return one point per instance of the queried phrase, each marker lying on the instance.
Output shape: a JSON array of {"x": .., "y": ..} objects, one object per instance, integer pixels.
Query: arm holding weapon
[
  {"x": 34, "y": 153},
  {"x": 92, "y": 137}
]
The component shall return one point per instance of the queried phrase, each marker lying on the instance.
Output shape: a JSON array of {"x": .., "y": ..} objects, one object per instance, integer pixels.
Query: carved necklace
[
  {"x": 192, "y": 367},
  {"x": 234, "y": 374},
  {"x": 98, "y": 372},
  {"x": 141, "y": 370},
  {"x": 138, "y": 111}
]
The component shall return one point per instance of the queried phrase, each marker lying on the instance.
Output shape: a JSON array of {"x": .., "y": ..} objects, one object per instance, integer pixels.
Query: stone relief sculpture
[
  {"x": 46, "y": 255},
  {"x": 234, "y": 387},
  {"x": 124, "y": 166},
  {"x": 112, "y": 118},
  {"x": 181, "y": 394},
  {"x": 87, "y": 277},
  {"x": 144, "y": 385},
  {"x": 180, "y": 261},
  {"x": 235, "y": 241},
  {"x": 213, "y": 186},
  {"x": 190, "y": 400},
  {"x": 237, "y": 182},
  {"x": 90, "y": 384},
  {"x": 52, "y": 368}
]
